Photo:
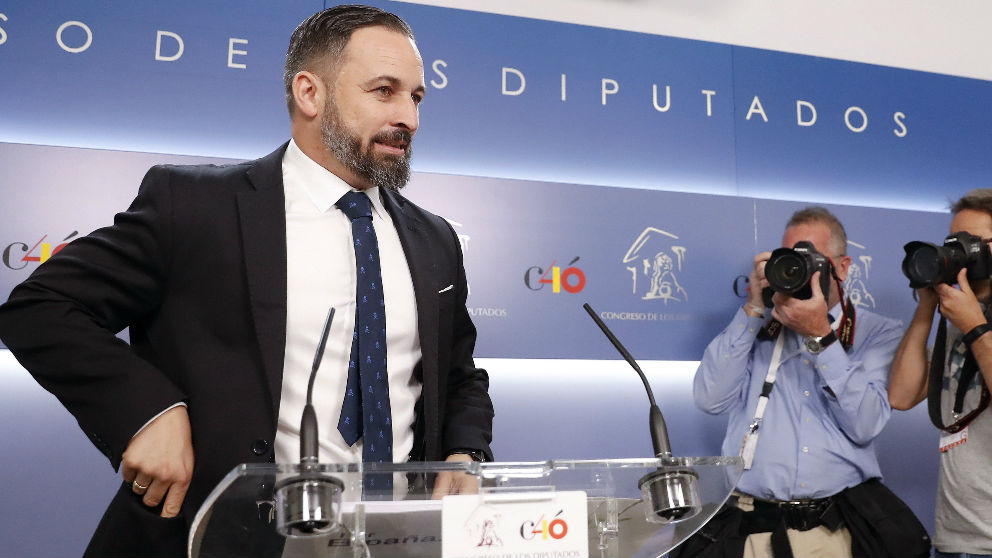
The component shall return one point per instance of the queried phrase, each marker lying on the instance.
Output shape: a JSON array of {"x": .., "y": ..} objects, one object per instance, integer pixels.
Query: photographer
[
  {"x": 804, "y": 385},
  {"x": 962, "y": 369}
]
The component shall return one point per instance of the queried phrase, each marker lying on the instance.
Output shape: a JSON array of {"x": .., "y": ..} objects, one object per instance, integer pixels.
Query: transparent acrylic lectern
[{"x": 271, "y": 510}]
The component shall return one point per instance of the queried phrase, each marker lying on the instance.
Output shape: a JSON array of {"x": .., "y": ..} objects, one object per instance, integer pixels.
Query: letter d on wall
[
  {"x": 520, "y": 75},
  {"x": 158, "y": 46}
]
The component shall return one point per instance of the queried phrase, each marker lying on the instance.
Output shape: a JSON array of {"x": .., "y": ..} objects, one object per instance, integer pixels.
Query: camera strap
[
  {"x": 845, "y": 331},
  {"x": 750, "y": 443},
  {"x": 969, "y": 368}
]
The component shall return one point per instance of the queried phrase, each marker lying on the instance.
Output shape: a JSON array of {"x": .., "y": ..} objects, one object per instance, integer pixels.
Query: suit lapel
[
  {"x": 262, "y": 211},
  {"x": 417, "y": 249}
]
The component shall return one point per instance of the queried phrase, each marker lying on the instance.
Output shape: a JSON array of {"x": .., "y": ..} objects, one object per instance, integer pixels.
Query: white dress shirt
[{"x": 320, "y": 272}]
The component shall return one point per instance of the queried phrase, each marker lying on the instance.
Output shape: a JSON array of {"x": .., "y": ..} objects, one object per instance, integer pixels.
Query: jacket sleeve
[
  {"x": 61, "y": 323},
  {"x": 468, "y": 422}
]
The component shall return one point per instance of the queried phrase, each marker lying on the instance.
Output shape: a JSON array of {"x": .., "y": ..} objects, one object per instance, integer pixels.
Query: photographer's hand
[
  {"x": 806, "y": 317},
  {"x": 960, "y": 306},
  {"x": 757, "y": 284}
]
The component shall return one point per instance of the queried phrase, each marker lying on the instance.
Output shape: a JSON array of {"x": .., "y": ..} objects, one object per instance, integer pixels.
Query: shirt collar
[{"x": 323, "y": 187}]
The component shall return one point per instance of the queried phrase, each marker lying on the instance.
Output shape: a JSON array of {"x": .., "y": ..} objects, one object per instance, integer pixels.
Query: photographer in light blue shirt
[{"x": 804, "y": 385}]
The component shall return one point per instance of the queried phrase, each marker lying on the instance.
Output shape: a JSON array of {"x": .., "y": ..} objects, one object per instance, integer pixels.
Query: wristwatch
[
  {"x": 476, "y": 455},
  {"x": 815, "y": 345}
]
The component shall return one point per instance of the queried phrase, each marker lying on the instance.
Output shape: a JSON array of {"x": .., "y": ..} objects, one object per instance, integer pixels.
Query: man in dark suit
[{"x": 224, "y": 274}]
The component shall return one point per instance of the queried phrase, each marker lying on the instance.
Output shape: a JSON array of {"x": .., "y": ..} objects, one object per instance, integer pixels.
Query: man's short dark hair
[
  {"x": 979, "y": 199},
  {"x": 322, "y": 37},
  {"x": 818, "y": 214}
]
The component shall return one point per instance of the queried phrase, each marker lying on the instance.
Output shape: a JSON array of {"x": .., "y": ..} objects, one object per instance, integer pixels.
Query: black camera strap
[
  {"x": 845, "y": 332},
  {"x": 936, "y": 384}
]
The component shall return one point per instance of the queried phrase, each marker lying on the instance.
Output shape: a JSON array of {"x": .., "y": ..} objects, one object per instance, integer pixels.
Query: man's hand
[
  {"x": 960, "y": 306},
  {"x": 159, "y": 461},
  {"x": 757, "y": 281},
  {"x": 805, "y": 317},
  {"x": 455, "y": 482}
]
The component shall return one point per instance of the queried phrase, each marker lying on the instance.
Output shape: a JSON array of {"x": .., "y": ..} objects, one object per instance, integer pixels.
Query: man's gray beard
[{"x": 392, "y": 173}]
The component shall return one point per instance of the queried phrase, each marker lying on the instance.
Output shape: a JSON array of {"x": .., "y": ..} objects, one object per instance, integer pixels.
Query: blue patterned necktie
[{"x": 365, "y": 411}]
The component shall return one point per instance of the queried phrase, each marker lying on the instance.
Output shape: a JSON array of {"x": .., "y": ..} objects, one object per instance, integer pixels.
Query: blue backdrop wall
[{"x": 598, "y": 153}]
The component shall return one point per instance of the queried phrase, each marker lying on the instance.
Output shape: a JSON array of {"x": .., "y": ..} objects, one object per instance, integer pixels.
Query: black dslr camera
[
  {"x": 928, "y": 264},
  {"x": 789, "y": 271}
]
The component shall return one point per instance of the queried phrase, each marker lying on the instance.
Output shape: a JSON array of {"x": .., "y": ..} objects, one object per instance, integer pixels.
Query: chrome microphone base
[
  {"x": 672, "y": 495},
  {"x": 308, "y": 505}
]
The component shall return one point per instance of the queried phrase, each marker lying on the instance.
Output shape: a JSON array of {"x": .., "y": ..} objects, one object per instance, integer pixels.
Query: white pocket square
[{"x": 446, "y": 289}]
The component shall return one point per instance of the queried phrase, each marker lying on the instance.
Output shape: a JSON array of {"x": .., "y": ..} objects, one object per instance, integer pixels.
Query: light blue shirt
[{"x": 812, "y": 443}]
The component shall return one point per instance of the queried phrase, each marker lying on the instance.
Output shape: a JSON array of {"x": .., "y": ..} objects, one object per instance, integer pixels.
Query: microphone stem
[
  {"x": 623, "y": 352},
  {"x": 659, "y": 430},
  {"x": 309, "y": 440}
]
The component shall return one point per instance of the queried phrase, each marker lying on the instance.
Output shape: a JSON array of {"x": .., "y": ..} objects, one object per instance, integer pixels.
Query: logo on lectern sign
[
  {"x": 655, "y": 260},
  {"x": 551, "y": 524}
]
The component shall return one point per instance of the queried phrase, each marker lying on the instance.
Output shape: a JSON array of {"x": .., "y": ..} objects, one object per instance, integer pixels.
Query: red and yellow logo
[
  {"x": 40, "y": 252},
  {"x": 556, "y": 528}
]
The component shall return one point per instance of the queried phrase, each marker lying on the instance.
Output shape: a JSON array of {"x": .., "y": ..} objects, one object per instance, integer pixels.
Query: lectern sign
[{"x": 527, "y": 525}]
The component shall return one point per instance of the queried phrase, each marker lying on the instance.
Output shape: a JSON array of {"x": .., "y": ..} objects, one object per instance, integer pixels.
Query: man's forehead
[
  {"x": 815, "y": 232},
  {"x": 378, "y": 44}
]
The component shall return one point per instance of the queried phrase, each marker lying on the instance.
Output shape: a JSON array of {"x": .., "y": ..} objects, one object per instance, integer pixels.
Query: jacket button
[{"x": 260, "y": 447}]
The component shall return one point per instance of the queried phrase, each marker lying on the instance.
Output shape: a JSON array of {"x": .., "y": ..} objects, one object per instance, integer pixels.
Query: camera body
[
  {"x": 790, "y": 270},
  {"x": 927, "y": 264}
]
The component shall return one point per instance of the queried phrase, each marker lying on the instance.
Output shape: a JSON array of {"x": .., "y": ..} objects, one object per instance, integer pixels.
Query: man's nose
[{"x": 406, "y": 114}]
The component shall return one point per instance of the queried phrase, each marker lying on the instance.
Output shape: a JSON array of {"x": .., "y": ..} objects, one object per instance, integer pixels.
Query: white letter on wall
[
  {"x": 612, "y": 90},
  {"x": 436, "y": 66},
  {"x": 799, "y": 113},
  {"x": 668, "y": 98},
  {"x": 3, "y": 34},
  {"x": 709, "y": 100},
  {"x": 898, "y": 118},
  {"x": 756, "y": 108},
  {"x": 864, "y": 119},
  {"x": 158, "y": 46},
  {"x": 86, "y": 45},
  {"x": 519, "y": 74},
  {"x": 563, "y": 87},
  {"x": 231, "y": 52}
]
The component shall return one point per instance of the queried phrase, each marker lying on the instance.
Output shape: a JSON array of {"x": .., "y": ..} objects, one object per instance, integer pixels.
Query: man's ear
[
  {"x": 309, "y": 93},
  {"x": 843, "y": 266}
]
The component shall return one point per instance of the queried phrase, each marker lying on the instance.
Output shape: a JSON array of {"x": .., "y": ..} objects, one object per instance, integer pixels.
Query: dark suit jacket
[{"x": 197, "y": 268}]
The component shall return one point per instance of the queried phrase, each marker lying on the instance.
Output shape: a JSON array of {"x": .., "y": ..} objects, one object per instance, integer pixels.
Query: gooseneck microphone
[
  {"x": 309, "y": 503},
  {"x": 656, "y": 422},
  {"x": 671, "y": 490},
  {"x": 308, "y": 424}
]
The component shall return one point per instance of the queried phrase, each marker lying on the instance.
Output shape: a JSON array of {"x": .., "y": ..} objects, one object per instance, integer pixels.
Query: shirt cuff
[
  {"x": 745, "y": 326},
  {"x": 831, "y": 364},
  {"x": 169, "y": 408}
]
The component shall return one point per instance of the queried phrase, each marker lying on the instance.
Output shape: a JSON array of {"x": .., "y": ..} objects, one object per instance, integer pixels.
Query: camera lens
[
  {"x": 787, "y": 271},
  {"x": 790, "y": 271},
  {"x": 923, "y": 264}
]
